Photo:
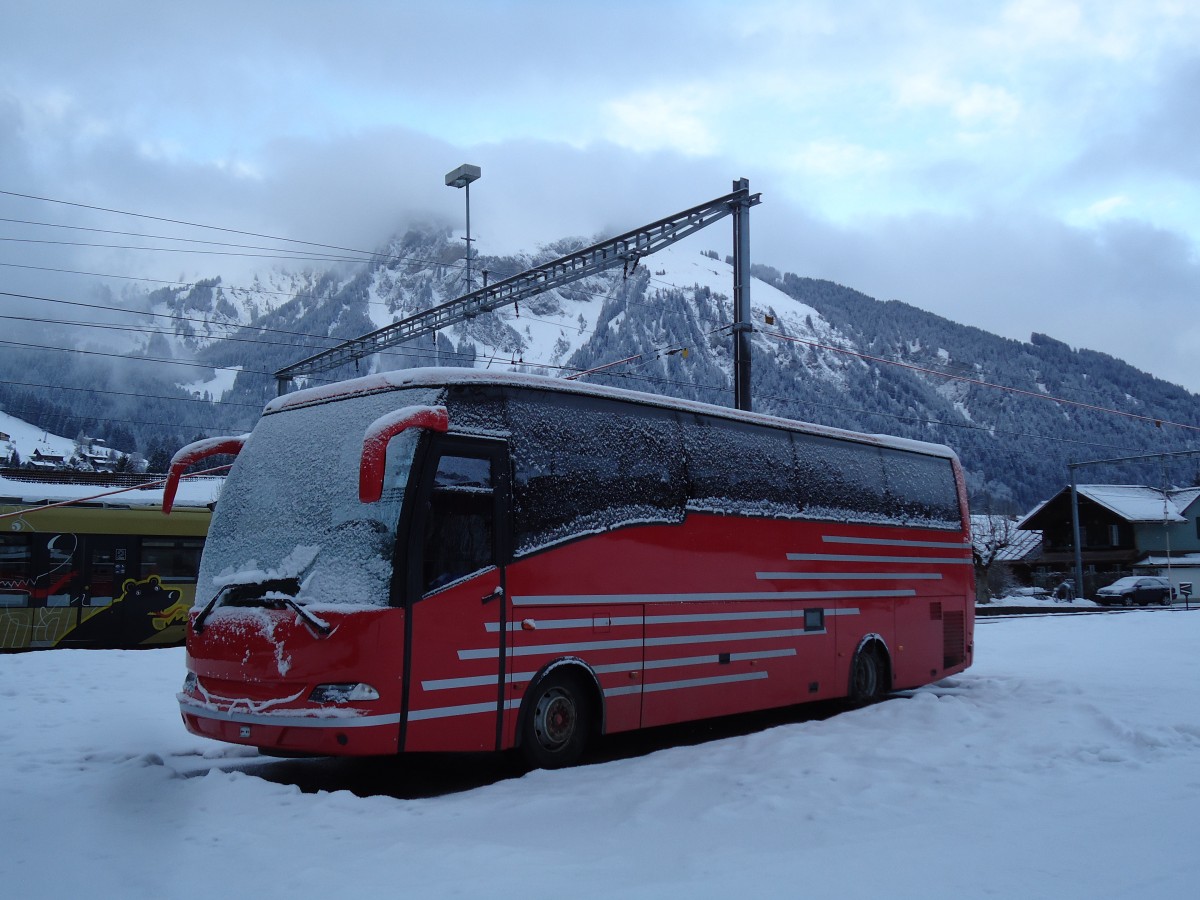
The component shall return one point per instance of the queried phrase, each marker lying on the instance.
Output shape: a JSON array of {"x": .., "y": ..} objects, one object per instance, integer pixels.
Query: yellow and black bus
[{"x": 97, "y": 575}]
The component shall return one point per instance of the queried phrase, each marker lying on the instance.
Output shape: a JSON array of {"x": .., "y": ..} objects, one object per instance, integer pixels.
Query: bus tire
[
  {"x": 868, "y": 676},
  {"x": 558, "y": 723}
]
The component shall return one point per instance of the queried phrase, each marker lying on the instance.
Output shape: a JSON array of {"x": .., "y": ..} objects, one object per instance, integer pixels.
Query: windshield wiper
[
  {"x": 316, "y": 624},
  {"x": 198, "y": 625},
  {"x": 273, "y": 590}
]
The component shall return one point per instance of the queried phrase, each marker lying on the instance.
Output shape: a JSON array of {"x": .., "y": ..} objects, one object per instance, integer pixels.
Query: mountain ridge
[{"x": 822, "y": 352}]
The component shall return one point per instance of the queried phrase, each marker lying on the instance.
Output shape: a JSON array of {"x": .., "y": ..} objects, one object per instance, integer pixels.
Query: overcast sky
[{"x": 1024, "y": 166}]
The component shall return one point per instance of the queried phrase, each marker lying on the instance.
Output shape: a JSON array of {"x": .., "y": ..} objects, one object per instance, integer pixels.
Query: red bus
[{"x": 452, "y": 560}]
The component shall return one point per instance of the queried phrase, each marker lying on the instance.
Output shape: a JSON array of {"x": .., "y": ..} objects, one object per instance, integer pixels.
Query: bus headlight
[
  {"x": 342, "y": 693},
  {"x": 189, "y": 683}
]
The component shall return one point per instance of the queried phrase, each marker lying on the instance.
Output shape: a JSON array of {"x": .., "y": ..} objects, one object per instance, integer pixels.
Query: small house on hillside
[
  {"x": 101, "y": 462},
  {"x": 40, "y": 460},
  {"x": 1120, "y": 525}
]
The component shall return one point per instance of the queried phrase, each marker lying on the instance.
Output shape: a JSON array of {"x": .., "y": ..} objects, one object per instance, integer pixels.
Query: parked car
[{"x": 1140, "y": 589}]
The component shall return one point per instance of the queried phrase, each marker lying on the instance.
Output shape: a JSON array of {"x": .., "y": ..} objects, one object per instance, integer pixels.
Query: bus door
[
  {"x": 455, "y": 636},
  {"x": 58, "y": 587},
  {"x": 108, "y": 561}
]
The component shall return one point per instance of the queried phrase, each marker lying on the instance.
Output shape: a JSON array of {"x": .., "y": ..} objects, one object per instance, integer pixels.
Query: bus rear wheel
[{"x": 557, "y": 725}]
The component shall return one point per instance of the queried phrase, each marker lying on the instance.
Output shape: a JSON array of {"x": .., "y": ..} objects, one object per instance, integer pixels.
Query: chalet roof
[
  {"x": 1185, "y": 497},
  {"x": 1135, "y": 503}
]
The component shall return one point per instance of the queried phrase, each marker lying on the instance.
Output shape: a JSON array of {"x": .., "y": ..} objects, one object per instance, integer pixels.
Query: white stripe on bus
[
  {"x": 443, "y": 684},
  {"x": 725, "y": 617},
  {"x": 705, "y": 660},
  {"x": 915, "y": 560},
  {"x": 628, "y": 689},
  {"x": 613, "y": 599},
  {"x": 848, "y": 576},
  {"x": 580, "y": 646},
  {"x": 887, "y": 542},
  {"x": 625, "y": 621},
  {"x": 729, "y": 636},
  {"x": 703, "y": 682},
  {"x": 467, "y": 709},
  {"x": 494, "y": 652},
  {"x": 615, "y": 622}
]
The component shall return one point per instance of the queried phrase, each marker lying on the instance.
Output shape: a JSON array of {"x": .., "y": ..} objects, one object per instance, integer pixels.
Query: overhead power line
[
  {"x": 275, "y": 254},
  {"x": 139, "y": 234},
  {"x": 123, "y": 212}
]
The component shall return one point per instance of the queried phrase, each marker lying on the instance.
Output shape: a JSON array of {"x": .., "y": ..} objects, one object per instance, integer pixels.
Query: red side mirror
[
  {"x": 382, "y": 430},
  {"x": 193, "y": 453}
]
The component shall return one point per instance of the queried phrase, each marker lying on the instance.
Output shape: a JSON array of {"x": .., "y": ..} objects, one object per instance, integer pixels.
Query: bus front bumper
[{"x": 322, "y": 732}]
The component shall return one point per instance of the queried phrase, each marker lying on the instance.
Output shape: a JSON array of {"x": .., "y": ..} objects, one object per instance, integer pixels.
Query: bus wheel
[
  {"x": 867, "y": 676},
  {"x": 558, "y": 724}
]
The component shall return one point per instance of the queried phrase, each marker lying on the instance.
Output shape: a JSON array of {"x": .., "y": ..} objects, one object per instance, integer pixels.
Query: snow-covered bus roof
[{"x": 437, "y": 377}]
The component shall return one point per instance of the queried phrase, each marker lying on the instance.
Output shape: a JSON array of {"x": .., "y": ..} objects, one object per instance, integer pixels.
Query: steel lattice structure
[{"x": 625, "y": 249}]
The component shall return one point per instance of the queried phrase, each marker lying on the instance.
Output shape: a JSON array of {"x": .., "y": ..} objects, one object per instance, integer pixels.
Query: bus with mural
[
  {"x": 455, "y": 560},
  {"x": 100, "y": 573}
]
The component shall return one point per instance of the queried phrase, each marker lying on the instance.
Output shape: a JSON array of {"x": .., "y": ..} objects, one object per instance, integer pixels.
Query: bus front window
[{"x": 293, "y": 496}]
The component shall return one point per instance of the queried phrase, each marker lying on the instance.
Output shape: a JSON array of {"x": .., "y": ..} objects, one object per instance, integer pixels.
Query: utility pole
[
  {"x": 462, "y": 178},
  {"x": 741, "y": 297}
]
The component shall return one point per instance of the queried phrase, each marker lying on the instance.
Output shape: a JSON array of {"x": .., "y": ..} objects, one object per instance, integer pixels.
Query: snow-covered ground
[
  {"x": 220, "y": 384},
  {"x": 1065, "y": 764},
  {"x": 25, "y": 438},
  {"x": 1031, "y": 600}
]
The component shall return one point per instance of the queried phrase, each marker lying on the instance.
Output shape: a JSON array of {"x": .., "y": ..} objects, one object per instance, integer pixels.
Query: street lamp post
[{"x": 462, "y": 178}]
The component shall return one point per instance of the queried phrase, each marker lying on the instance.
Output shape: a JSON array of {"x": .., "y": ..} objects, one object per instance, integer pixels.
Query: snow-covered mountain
[{"x": 821, "y": 352}]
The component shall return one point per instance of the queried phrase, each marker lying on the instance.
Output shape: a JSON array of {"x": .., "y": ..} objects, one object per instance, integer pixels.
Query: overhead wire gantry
[{"x": 625, "y": 249}]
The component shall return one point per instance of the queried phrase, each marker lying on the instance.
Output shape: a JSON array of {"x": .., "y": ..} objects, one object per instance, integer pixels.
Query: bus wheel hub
[{"x": 554, "y": 718}]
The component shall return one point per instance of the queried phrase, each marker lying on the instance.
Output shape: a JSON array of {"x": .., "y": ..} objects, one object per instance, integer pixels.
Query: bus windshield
[{"x": 294, "y": 491}]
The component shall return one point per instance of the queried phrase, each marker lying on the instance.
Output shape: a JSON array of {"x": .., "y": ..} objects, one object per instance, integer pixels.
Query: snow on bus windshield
[{"x": 290, "y": 508}]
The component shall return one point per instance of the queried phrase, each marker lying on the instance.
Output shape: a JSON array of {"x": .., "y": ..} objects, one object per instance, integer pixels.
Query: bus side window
[
  {"x": 459, "y": 528},
  {"x": 171, "y": 559},
  {"x": 16, "y": 560},
  {"x": 583, "y": 465}
]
